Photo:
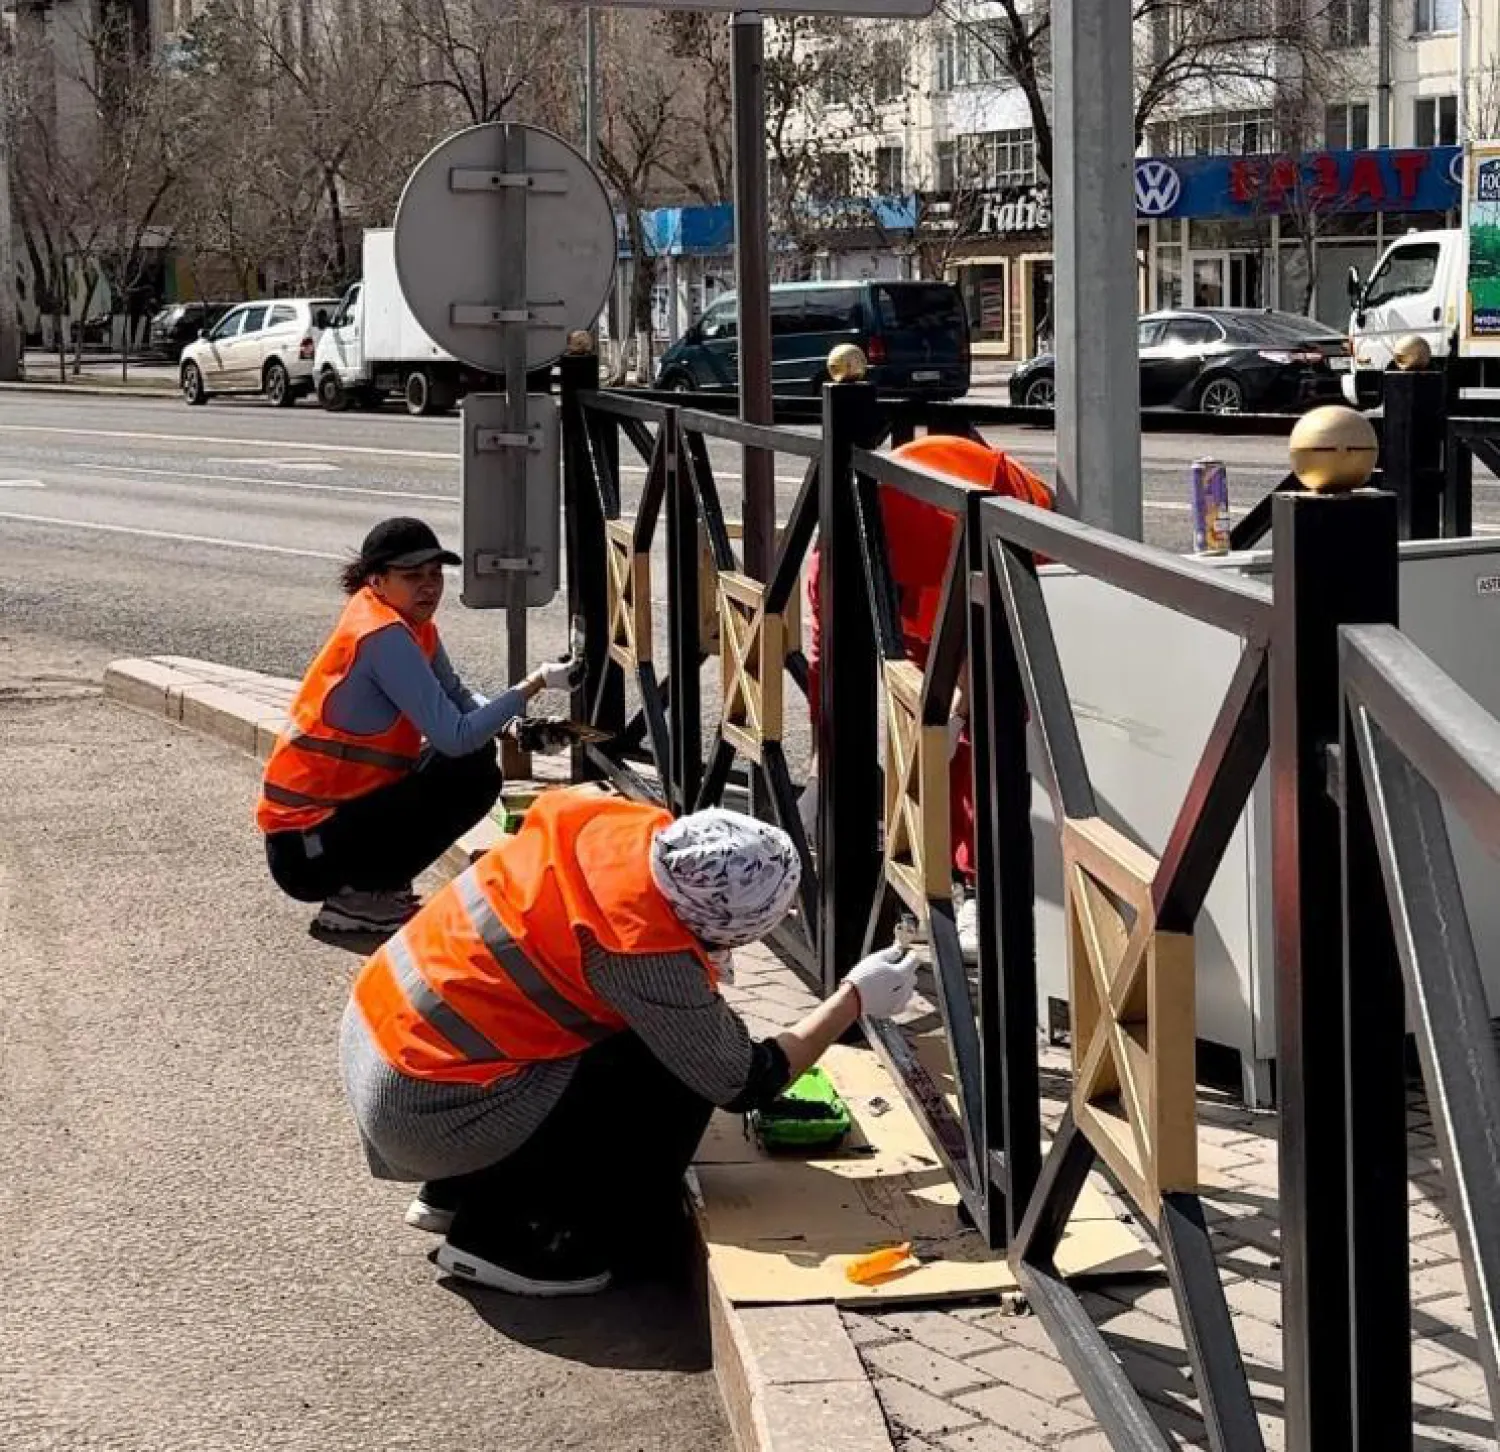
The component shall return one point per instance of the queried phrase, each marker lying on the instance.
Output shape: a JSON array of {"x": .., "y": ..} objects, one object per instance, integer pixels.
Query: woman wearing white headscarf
[{"x": 543, "y": 1044}]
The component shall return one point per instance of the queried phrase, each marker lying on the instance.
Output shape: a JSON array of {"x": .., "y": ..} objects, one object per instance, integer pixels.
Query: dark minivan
[{"x": 915, "y": 335}]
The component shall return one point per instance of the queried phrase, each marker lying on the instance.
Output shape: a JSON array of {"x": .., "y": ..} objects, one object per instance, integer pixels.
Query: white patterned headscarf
[{"x": 729, "y": 878}]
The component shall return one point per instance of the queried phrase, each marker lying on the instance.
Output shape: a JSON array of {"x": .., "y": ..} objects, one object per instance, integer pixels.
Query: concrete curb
[
  {"x": 789, "y": 1376},
  {"x": 93, "y": 390}
]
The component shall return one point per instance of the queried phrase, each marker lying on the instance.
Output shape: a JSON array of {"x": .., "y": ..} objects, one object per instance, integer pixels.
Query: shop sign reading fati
[{"x": 1008, "y": 212}]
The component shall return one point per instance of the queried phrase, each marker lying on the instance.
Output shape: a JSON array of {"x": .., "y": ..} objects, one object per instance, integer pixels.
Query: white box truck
[
  {"x": 375, "y": 348},
  {"x": 1440, "y": 286}
]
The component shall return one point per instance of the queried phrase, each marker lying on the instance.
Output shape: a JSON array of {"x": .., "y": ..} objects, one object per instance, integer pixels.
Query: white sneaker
[
  {"x": 968, "y": 926},
  {"x": 421, "y": 1215},
  {"x": 349, "y": 911}
]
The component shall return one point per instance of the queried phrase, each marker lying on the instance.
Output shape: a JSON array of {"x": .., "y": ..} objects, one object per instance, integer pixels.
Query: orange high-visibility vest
[
  {"x": 315, "y": 767},
  {"x": 919, "y": 535},
  {"x": 489, "y": 976}
]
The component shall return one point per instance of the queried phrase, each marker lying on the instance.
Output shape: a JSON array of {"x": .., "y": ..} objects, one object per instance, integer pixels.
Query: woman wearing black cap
[{"x": 353, "y": 803}]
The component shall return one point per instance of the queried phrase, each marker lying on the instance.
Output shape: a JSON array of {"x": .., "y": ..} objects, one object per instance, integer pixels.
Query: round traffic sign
[{"x": 452, "y": 261}]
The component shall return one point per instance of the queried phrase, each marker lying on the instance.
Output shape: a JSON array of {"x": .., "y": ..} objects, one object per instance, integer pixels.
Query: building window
[
  {"x": 890, "y": 171},
  {"x": 888, "y": 71},
  {"x": 834, "y": 180},
  {"x": 1349, "y": 23},
  {"x": 1221, "y": 133},
  {"x": 947, "y": 166},
  {"x": 1346, "y": 127},
  {"x": 995, "y": 159},
  {"x": 1436, "y": 121},
  {"x": 969, "y": 55},
  {"x": 1433, "y": 17}
]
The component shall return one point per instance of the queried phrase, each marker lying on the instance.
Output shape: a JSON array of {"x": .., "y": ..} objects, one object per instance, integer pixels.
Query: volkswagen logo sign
[
  {"x": 1456, "y": 168},
  {"x": 1158, "y": 188}
]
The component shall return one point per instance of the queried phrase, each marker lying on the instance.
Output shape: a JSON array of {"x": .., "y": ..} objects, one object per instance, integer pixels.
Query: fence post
[
  {"x": 1375, "y": 1091},
  {"x": 1411, "y": 450},
  {"x": 1334, "y": 561},
  {"x": 1006, "y": 882},
  {"x": 583, "y": 514},
  {"x": 849, "y": 816},
  {"x": 684, "y": 648}
]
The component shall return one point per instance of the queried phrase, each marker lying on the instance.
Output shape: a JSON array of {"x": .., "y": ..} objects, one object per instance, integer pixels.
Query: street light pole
[{"x": 1093, "y": 226}]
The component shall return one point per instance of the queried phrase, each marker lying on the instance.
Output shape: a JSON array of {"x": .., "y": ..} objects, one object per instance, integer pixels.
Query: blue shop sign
[{"x": 1389, "y": 179}]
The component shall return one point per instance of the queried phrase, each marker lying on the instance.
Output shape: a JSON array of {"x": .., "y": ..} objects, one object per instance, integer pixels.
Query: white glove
[
  {"x": 885, "y": 981},
  {"x": 561, "y": 675}
]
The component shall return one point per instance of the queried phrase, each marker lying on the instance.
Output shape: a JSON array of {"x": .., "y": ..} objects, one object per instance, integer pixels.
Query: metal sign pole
[
  {"x": 514, "y": 300},
  {"x": 753, "y": 284}
]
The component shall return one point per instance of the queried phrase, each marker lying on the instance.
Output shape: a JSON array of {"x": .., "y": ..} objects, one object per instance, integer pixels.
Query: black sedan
[
  {"x": 1220, "y": 360},
  {"x": 177, "y": 324}
]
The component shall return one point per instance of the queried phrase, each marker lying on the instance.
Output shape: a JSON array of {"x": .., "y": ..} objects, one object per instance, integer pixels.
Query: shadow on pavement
[{"x": 658, "y": 1325}]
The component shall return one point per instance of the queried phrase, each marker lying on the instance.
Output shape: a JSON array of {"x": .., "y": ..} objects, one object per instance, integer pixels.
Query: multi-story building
[{"x": 1258, "y": 183}]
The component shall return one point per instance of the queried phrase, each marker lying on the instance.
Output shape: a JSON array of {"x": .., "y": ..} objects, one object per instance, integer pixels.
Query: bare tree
[
  {"x": 1236, "y": 52},
  {"x": 832, "y": 86}
]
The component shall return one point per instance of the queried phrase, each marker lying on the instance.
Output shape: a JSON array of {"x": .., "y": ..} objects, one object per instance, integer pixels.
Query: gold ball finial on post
[
  {"x": 1333, "y": 449},
  {"x": 847, "y": 364},
  {"x": 1412, "y": 353}
]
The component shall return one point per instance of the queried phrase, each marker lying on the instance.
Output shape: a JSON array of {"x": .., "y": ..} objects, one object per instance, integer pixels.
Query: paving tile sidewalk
[{"x": 976, "y": 1378}]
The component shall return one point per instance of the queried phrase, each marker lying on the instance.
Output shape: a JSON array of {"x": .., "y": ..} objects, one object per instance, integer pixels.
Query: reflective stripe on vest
[
  {"x": 348, "y": 751},
  {"x": 286, "y": 797},
  {"x": 522, "y": 971},
  {"x": 442, "y": 1016}
]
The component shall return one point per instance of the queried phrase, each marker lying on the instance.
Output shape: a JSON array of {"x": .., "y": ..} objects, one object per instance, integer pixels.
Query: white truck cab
[{"x": 1414, "y": 289}]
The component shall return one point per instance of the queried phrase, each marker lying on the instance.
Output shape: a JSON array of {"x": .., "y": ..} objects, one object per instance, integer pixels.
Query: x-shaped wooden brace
[
  {"x": 1133, "y": 989},
  {"x": 916, "y": 793},
  {"x": 629, "y": 591},
  {"x": 708, "y": 594},
  {"x": 752, "y": 656}
]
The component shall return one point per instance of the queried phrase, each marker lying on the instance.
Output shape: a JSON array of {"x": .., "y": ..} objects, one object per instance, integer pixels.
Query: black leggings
[
  {"x": 381, "y": 841},
  {"x": 608, "y": 1160}
]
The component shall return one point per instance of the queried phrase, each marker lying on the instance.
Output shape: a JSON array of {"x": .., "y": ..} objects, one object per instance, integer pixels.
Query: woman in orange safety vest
[
  {"x": 918, "y": 538},
  {"x": 387, "y": 756},
  {"x": 543, "y": 1044}
]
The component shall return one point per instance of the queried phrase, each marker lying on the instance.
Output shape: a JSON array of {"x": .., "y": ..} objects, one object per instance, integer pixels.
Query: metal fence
[{"x": 1354, "y": 726}]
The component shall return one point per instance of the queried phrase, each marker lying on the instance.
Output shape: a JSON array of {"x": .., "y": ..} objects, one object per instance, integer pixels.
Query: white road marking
[
  {"x": 270, "y": 483},
  {"x": 310, "y": 466},
  {"x": 21, "y": 484},
  {"x": 301, "y": 446},
  {"x": 208, "y": 539}
]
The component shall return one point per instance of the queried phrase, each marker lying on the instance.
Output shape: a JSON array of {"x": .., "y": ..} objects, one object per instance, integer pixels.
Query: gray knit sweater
[{"x": 415, "y": 1130}]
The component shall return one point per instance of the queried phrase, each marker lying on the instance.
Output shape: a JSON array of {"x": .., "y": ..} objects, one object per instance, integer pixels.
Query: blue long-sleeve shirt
[{"x": 391, "y": 678}]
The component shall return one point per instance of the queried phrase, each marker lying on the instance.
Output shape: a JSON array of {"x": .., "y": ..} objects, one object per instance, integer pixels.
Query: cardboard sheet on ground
[{"x": 783, "y": 1229}]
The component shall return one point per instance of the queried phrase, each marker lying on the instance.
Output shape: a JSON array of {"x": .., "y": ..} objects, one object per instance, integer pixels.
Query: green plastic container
[{"x": 808, "y": 1116}]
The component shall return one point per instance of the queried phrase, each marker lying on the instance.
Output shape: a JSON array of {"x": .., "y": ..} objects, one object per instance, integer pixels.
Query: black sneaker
[{"x": 527, "y": 1260}]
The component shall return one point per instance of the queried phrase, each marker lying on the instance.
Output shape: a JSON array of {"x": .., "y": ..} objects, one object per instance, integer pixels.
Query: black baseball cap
[{"x": 402, "y": 544}]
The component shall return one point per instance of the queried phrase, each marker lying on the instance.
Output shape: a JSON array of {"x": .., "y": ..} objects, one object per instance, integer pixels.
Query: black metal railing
[
  {"x": 881, "y": 850},
  {"x": 1414, "y": 742}
]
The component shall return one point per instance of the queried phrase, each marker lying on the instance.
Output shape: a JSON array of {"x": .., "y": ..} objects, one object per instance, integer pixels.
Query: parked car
[
  {"x": 1220, "y": 360},
  {"x": 173, "y": 327},
  {"x": 258, "y": 347},
  {"x": 915, "y": 334}
]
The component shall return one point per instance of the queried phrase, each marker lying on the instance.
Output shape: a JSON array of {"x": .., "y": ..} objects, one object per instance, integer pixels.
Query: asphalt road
[
  {"x": 195, "y": 1255},
  {"x": 140, "y": 526}
]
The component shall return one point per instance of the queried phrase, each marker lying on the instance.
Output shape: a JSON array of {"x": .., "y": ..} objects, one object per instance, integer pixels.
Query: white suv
[{"x": 258, "y": 347}]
